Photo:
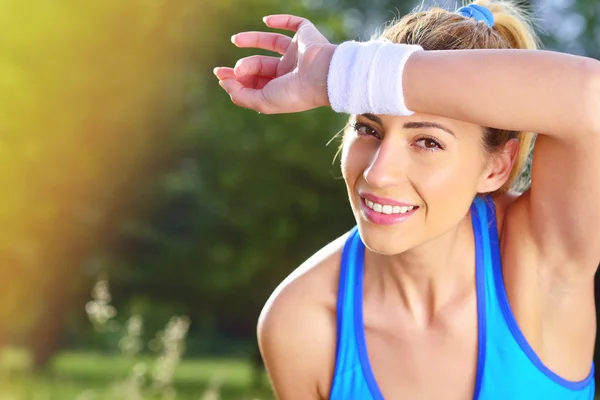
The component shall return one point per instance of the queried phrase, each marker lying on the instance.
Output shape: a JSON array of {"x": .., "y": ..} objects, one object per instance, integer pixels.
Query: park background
[{"x": 145, "y": 219}]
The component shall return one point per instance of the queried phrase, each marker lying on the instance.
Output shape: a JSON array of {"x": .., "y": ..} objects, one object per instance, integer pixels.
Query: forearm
[{"x": 537, "y": 91}]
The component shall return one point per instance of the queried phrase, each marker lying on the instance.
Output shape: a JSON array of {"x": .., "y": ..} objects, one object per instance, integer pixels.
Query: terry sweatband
[{"x": 366, "y": 77}]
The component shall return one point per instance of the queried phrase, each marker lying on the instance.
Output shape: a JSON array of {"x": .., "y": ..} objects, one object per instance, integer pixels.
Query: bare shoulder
[{"x": 297, "y": 327}]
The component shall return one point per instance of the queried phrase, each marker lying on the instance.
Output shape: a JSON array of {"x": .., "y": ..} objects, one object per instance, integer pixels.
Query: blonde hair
[{"x": 439, "y": 29}]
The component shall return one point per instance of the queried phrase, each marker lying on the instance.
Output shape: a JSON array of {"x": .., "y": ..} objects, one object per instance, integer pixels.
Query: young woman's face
[{"x": 410, "y": 179}]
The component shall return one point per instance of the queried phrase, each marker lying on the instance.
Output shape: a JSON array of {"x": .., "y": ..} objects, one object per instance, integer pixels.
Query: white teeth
[{"x": 388, "y": 209}]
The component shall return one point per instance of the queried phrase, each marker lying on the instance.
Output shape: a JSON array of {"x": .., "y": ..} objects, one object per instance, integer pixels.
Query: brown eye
[
  {"x": 429, "y": 144},
  {"x": 364, "y": 130}
]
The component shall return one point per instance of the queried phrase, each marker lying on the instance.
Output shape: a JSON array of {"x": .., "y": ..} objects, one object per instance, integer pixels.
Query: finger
[
  {"x": 276, "y": 42},
  {"x": 257, "y": 65},
  {"x": 285, "y": 21},
  {"x": 262, "y": 82},
  {"x": 244, "y": 96},
  {"x": 252, "y": 81},
  {"x": 224, "y": 73},
  {"x": 296, "y": 24},
  {"x": 290, "y": 59},
  {"x": 255, "y": 81}
]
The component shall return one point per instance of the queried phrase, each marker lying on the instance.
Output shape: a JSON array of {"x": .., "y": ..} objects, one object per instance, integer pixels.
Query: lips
[
  {"x": 387, "y": 208},
  {"x": 383, "y": 200},
  {"x": 383, "y": 211}
]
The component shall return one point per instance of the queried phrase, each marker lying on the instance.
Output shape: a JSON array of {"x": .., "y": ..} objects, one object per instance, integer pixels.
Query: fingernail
[
  {"x": 215, "y": 70},
  {"x": 233, "y": 39},
  {"x": 265, "y": 19}
]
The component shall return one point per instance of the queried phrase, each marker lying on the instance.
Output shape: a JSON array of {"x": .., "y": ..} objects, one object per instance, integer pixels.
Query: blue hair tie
[{"x": 478, "y": 13}]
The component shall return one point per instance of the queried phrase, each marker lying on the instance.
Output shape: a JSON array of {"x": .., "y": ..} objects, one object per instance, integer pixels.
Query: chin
[{"x": 382, "y": 241}]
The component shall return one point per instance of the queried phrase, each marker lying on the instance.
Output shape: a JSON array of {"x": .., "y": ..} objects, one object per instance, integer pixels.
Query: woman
[{"x": 451, "y": 286}]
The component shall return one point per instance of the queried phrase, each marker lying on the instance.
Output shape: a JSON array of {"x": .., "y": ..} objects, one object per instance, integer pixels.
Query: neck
[{"x": 428, "y": 277}]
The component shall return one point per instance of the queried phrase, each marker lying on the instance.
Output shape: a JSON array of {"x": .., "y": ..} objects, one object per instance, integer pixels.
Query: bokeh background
[{"x": 145, "y": 219}]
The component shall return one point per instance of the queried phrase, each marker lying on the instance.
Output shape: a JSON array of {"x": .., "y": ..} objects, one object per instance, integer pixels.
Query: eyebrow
[
  {"x": 373, "y": 118},
  {"x": 411, "y": 125},
  {"x": 417, "y": 125}
]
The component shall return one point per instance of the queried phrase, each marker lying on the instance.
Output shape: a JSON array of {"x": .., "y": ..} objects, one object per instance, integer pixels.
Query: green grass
[
  {"x": 73, "y": 374},
  {"x": 90, "y": 376}
]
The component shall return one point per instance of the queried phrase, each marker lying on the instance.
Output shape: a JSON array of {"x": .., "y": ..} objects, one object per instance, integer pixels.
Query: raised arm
[{"x": 523, "y": 90}]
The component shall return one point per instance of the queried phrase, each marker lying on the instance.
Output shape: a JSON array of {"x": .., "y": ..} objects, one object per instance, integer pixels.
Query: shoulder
[{"x": 297, "y": 327}]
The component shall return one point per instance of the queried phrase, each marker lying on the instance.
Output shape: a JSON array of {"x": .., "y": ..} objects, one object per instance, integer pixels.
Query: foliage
[
  {"x": 121, "y": 156},
  {"x": 92, "y": 376},
  {"x": 126, "y": 375}
]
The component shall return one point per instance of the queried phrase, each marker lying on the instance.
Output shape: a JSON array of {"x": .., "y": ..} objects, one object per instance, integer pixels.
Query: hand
[{"x": 270, "y": 85}]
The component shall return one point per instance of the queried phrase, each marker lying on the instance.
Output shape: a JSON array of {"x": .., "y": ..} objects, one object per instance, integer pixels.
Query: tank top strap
[
  {"x": 491, "y": 250},
  {"x": 352, "y": 377},
  {"x": 483, "y": 279},
  {"x": 493, "y": 263},
  {"x": 350, "y": 268}
]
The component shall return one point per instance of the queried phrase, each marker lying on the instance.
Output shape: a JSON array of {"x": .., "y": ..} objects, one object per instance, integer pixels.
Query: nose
[{"x": 387, "y": 168}]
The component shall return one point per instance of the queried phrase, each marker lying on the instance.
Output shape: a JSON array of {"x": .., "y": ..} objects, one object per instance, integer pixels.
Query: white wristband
[{"x": 366, "y": 77}]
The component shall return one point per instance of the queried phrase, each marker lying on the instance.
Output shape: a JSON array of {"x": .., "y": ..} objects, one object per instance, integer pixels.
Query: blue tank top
[{"x": 507, "y": 367}]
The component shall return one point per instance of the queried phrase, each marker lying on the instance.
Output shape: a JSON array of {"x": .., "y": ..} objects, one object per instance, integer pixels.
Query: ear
[{"x": 499, "y": 168}]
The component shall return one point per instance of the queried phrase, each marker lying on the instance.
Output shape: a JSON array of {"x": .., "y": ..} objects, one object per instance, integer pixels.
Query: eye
[
  {"x": 364, "y": 130},
  {"x": 429, "y": 144}
]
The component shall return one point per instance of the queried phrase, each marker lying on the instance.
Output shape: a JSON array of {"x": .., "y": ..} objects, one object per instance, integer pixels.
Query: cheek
[
  {"x": 447, "y": 185},
  {"x": 355, "y": 158},
  {"x": 449, "y": 172},
  {"x": 432, "y": 173}
]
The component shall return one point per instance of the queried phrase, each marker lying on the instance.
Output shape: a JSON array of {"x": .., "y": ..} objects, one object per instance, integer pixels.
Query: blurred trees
[
  {"x": 84, "y": 88},
  {"x": 241, "y": 200},
  {"x": 122, "y": 156}
]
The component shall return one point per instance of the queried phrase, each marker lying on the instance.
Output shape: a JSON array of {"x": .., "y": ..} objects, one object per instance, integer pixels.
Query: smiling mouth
[{"x": 388, "y": 209}]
